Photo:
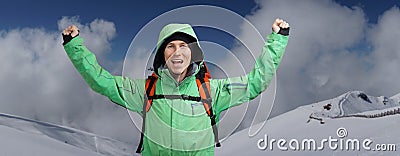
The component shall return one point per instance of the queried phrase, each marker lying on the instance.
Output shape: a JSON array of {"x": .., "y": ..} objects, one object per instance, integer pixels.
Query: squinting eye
[{"x": 170, "y": 46}]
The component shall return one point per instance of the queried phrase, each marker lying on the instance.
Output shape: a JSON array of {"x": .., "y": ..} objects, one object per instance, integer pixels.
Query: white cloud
[
  {"x": 324, "y": 58},
  {"x": 38, "y": 80},
  {"x": 320, "y": 34},
  {"x": 385, "y": 55}
]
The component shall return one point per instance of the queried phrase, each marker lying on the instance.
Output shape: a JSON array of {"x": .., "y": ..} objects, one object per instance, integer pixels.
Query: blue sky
[
  {"x": 334, "y": 47},
  {"x": 373, "y": 9},
  {"x": 130, "y": 16}
]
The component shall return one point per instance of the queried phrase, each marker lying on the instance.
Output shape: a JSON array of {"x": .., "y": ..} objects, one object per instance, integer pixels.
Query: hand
[
  {"x": 280, "y": 24},
  {"x": 69, "y": 33},
  {"x": 71, "y": 30}
]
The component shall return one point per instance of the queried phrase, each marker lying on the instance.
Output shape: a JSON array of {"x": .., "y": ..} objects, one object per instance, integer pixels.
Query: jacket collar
[{"x": 163, "y": 72}]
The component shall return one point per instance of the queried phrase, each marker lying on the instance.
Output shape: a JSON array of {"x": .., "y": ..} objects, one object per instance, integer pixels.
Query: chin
[{"x": 177, "y": 72}]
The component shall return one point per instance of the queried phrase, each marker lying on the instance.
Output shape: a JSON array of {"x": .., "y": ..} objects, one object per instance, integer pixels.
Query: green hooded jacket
[{"x": 175, "y": 126}]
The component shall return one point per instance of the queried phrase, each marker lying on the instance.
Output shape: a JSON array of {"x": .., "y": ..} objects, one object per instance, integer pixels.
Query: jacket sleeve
[
  {"x": 120, "y": 90},
  {"x": 234, "y": 91}
]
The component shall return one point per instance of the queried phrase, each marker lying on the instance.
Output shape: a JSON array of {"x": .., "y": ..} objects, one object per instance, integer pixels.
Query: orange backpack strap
[
  {"x": 203, "y": 84},
  {"x": 150, "y": 91}
]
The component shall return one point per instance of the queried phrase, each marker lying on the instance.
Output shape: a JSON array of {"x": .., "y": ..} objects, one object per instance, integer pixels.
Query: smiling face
[{"x": 177, "y": 55}]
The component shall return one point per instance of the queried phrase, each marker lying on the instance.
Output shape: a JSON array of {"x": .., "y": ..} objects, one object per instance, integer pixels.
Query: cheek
[
  {"x": 188, "y": 55},
  {"x": 167, "y": 54}
]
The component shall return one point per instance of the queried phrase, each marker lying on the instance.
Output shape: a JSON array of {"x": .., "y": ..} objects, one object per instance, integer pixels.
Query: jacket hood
[{"x": 173, "y": 29}]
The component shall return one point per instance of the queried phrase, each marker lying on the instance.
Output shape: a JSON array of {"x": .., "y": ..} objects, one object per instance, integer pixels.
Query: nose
[{"x": 179, "y": 50}]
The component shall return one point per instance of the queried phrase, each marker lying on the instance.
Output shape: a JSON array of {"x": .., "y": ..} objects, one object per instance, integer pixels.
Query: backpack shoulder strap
[
  {"x": 150, "y": 90},
  {"x": 203, "y": 84}
]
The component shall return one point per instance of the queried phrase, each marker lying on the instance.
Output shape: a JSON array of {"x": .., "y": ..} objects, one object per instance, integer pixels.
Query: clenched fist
[
  {"x": 69, "y": 33},
  {"x": 281, "y": 27}
]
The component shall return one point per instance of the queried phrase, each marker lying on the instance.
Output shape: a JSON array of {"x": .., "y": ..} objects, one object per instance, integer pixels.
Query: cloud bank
[
  {"x": 332, "y": 49},
  {"x": 38, "y": 80}
]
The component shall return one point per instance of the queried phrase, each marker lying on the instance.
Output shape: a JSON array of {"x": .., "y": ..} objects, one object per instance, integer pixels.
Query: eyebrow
[{"x": 180, "y": 43}]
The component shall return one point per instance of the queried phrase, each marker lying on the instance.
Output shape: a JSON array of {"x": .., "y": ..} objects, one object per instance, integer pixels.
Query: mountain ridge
[
  {"x": 300, "y": 124},
  {"x": 61, "y": 136}
]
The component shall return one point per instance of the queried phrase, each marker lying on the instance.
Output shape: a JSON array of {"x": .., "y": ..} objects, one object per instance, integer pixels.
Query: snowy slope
[
  {"x": 365, "y": 118},
  {"x": 23, "y": 137}
]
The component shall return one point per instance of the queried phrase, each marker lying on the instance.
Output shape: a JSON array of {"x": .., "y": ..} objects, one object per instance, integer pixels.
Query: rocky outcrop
[{"x": 355, "y": 104}]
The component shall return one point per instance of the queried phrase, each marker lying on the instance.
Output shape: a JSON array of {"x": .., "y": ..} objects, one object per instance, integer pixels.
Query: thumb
[
  {"x": 275, "y": 25},
  {"x": 75, "y": 31}
]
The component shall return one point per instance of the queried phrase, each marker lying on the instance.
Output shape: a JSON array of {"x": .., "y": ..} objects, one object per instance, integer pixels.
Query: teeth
[{"x": 177, "y": 61}]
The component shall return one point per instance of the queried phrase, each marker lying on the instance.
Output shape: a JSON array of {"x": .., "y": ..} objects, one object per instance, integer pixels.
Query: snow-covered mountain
[
  {"x": 351, "y": 124},
  {"x": 22, "y": 137}
]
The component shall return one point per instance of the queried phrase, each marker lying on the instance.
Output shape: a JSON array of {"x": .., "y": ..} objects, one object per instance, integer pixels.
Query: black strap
[
  {"x": 68, "y": 38},
  {"x": 139, "y": 148},
  {"x": 200, "y": 76},
  {"x": 215, "y": 131},
  {"x": 183, "y": 97},
  {"x": 145, "y": 103},
  {"x": 152, "y": 80},
  {"x": 284, "y": 31}
]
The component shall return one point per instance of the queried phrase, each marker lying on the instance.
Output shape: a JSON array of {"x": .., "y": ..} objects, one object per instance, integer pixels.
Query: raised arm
[
  {"x": 121, "y": 90},
  {"x": 237, "y": 90}
]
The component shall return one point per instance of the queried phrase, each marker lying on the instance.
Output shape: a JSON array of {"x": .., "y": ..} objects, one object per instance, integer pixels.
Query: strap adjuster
[{"x": 184, "y": 97}]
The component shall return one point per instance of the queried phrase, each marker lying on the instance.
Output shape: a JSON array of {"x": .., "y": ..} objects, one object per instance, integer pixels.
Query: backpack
[{"x": 203, "y": 85}]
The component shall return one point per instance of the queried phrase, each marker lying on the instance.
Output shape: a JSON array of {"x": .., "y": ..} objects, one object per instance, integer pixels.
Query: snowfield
[
  {"x": 23, "y": 137},
  {"x": 351, "y": 124}
]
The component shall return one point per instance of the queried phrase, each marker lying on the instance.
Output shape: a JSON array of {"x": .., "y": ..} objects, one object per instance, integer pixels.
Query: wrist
[
  {"x": 284, "y": 31},
  {"x": 68, "y": 38}
]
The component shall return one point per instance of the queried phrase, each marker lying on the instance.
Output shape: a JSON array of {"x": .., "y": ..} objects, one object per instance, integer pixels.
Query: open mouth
[{"x": 177, "y": 61}]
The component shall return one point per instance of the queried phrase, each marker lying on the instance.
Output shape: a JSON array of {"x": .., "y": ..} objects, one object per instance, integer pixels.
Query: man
[{"x": 178, "y": 126}]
